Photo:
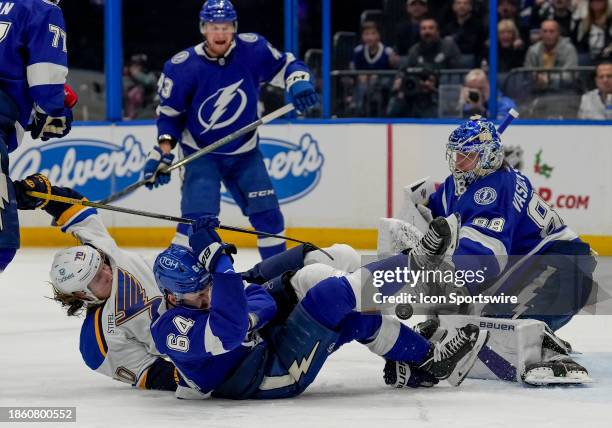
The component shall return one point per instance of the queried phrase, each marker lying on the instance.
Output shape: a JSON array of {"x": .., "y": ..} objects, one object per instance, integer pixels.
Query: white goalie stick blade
[
  {"x": 396, "y": 235},
  {"x": 467, "y": 362}
]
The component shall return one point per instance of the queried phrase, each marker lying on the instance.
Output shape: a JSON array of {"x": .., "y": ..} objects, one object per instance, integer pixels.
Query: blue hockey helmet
[
  {"x": 178, "y": 272},
  {"x": 218, "y": 11},
  {"x": 477, "y": 138}
]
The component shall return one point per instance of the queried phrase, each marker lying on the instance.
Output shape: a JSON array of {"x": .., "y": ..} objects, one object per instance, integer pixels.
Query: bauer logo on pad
[
  {"x": 295, "y": 169},
  {"x": 92, "y": 167}
]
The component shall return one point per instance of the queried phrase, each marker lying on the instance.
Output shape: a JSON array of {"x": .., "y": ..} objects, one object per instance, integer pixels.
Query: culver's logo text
[
  {"x": 92, "y": 167},
  {"x": 295, "y": 170}
]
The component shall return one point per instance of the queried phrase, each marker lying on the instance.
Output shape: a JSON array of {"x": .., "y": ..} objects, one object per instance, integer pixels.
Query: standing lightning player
[
  {"x": 33, "y": 72},
  {"x": 216, "y": 333},
  {"x": 209, "y": 91},
  {"x": 523, "y": 244}
]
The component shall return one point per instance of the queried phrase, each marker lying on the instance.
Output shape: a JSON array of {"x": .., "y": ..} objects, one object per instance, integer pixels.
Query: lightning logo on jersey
[
  {"x": 222, "y": 101},
  {"x": 296, "y": 371}
]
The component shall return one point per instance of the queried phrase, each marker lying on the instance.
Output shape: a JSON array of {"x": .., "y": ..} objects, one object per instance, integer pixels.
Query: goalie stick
[
  {"x": 208, "y": 149},
  {"x": 73, "y": 201}
]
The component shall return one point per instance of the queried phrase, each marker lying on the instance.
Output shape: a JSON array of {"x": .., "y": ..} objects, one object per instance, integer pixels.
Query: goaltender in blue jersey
[
  {"x": 33, "y": 72},
  {"x": 209, "y": 91}
]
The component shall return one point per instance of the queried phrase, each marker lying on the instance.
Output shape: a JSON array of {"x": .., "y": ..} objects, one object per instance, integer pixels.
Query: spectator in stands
[
  {"x": 465, "y": 29},
  {"x": 557, "y": 10},
  {"x": 414, "y": 94},
  {"x": 552, "y": 51},
  {"x": 593, "y": 33},
  {"x": 510, "y": 47},
  {"x": 432, "y": 51},
  {"x": 510, "y": 9},
  {"x": 408, "y": 31},
  {"x": 371, "y": 54},
  {"x": 139, "y": 88},
  {"x": 597, "y": 104},
  {"x": 475, "y": 96}
]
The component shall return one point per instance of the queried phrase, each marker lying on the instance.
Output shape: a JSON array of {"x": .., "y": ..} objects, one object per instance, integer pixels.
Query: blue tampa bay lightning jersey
[
  {"x": 206, "y": 346},
  {"x": 33, "y": 67},
  {"x": 203, "y": 99},
  {"x": 501, "y": 215}
]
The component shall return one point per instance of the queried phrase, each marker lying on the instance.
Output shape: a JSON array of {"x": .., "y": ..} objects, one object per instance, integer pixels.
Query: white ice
[{"x": 40, "y": 365}]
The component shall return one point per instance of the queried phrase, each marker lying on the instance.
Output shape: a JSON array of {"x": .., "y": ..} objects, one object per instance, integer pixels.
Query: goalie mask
[
  {"x": 73, "y": 269},
  {"x": 473, "y": 150}
]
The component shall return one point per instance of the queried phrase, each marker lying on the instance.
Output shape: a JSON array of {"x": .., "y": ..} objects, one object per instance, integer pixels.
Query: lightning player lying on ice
[
  {"x": 502, "y": 217},
  {"x": 32, "y": 76},
  {"x": 209, "y": 91},
  {"x": 225, "y": 341},
  {"x": 115, "y": 288}
]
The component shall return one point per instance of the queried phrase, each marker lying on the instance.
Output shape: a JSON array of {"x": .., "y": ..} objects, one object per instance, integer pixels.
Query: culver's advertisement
[
  {"x": 295, "y": 169},
  {"x": 95, "y": 168},
  {"x": 315, "y": 171}
]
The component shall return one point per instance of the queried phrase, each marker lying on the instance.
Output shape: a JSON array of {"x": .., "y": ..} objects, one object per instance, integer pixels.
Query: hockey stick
[
  {"x": 208, "y": 149},
  {"x": 512, "y": 114},
  {"x": 73, "y": 201}
]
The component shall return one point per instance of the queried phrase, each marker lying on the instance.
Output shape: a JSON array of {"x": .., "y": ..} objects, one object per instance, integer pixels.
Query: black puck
[{"x": 403, "y": 311}]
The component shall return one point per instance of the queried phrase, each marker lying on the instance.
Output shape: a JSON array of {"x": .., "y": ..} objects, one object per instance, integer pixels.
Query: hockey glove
[
  {"x": 399, "y": 374},
  {"x": 46, "y": 127},
  {"x": 303, "y": 95},
  {"x": 37, "y": 183},
  {"x": 155, "y": 163},
  {"x": 206, "y": 242}
]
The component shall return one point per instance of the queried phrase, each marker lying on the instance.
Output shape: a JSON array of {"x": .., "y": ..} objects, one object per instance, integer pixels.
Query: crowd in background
[{"x": 437, "y": 36}]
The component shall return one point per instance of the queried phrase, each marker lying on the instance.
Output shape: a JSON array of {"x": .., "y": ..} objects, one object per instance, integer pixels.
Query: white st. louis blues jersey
[
  {"x": 203, "y": 99},
  {"x": 501, "y": 215},
  {"x": 115, "y": 337},
  {"x": 33, "y": 54}
]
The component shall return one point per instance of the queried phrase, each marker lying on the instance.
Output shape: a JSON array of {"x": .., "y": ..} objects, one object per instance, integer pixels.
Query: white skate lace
[
  {"x": 442, "y": 352},
  {"x": 429, "y": 244}
]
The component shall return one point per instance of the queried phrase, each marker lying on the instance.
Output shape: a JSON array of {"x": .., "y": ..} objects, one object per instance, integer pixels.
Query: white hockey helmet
[{"x": 74, "y": 268}]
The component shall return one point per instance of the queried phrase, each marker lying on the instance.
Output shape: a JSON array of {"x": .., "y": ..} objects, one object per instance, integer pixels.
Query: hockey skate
[
  {"x": 430, "y": 329},
  {"x": 440, "y": 240},
  {"x": 450, "y": 360},
  {"x": 558, "y": 370}
]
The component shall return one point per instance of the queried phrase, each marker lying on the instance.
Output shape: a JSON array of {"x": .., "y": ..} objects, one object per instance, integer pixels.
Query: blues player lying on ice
[
  {"x": 32, "y": 76},
  {"x": 114, "y": 288},
  {"x": 522, "y": 243},
  {"x": 227, "y": 341},
  {"x": 209, "y": 91}
]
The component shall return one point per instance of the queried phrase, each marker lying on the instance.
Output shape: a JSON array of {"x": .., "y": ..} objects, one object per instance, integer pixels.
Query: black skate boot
[
  {"x": 440, "y": 239},
  {"x": 454, "y": 358},
  {"x": 430, "y": 329},
  {"x": 558, "y": 370}
]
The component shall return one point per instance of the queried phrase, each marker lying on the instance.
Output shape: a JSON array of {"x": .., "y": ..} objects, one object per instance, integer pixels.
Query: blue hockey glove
[
  {"x": 206, "y": 242},
  {"x": 154, "y": 162},
  {"x": 46, "y": 127},
  {"x": 303, "y": 95},
  {"x": 38, "y": 183}
]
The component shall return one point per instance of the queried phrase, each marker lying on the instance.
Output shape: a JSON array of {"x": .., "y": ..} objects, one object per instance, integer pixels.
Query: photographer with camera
[
  {"x": 414, "y": 93},
  {"x": 475, "y": 96}
]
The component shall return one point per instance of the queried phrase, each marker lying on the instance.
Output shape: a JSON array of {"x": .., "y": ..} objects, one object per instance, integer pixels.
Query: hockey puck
[{"x": 403, "y": 311}]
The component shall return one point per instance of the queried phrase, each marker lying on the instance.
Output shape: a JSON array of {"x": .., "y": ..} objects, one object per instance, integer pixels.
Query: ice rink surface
[{"x": 40, "y": 365}]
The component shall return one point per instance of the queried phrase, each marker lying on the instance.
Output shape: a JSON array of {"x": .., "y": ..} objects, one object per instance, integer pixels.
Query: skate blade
[
  {"x": 544, "y": 377},
  {"x": 465, "y": 365}
]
